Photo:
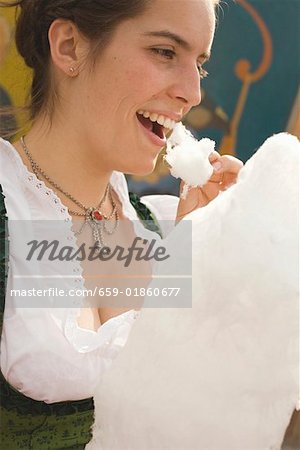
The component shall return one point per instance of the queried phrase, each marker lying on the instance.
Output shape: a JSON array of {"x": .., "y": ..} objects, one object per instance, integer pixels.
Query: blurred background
[{"x": 251, "y": 93}]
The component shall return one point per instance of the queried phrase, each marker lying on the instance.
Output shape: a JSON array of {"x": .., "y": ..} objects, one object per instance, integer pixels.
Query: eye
[
  {"x": 170, "y": 54},
  {"x": 164, "y": 52},
  {"x": 203, "y": 73}
]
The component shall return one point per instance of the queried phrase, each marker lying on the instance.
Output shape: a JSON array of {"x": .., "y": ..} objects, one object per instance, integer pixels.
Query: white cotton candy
[
  {"x": 188, "y": 158},
  {"x": 179, "y": 134},
  {"x": 223, "y": 374}
]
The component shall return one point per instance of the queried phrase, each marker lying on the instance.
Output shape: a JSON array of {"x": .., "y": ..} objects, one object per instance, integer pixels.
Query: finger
[
  {"x": 215, "y": 160},
  {"x": 214, "y": 156},
  {"x": 228, "y": 164},
  {"x": 231, "y": 164}
]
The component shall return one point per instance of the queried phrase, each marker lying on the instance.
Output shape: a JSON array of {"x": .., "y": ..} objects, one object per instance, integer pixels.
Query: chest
[{"x": 115, "y": 282}]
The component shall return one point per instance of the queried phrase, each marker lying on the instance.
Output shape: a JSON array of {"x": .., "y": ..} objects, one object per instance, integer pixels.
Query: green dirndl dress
[{"x": 30, "y": 424}]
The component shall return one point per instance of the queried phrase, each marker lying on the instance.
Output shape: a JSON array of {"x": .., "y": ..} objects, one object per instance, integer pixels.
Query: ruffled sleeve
[{"x": 112, "y": 334}]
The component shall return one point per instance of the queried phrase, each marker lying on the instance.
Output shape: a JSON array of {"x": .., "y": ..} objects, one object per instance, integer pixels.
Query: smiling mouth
[{"x": 154, "y": 127}]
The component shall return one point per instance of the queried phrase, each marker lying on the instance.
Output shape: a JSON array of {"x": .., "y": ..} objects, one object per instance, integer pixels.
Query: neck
[{"x": 66, "y": 159}]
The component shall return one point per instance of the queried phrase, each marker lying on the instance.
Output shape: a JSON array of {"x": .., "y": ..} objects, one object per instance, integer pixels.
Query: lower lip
[{"x": 156, "y": 140}]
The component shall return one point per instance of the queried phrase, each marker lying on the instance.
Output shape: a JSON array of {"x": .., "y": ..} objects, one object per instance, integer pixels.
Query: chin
[
  {"x": 143, "y": 169},
  {"x": 143, "y": 172}
]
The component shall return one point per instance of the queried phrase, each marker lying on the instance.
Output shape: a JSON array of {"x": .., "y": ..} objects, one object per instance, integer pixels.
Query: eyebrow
[{"x": 176, "y": 38}]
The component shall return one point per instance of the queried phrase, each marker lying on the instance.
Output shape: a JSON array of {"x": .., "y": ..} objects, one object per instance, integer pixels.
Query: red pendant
[{"x": 97, "y": 215}]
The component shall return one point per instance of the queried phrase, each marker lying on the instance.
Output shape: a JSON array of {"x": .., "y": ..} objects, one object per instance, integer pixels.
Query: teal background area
[{"x": 270, "y": 100}]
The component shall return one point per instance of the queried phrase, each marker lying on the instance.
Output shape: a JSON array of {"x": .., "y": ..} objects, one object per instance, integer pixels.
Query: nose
[{"x": 186, "y": 87}]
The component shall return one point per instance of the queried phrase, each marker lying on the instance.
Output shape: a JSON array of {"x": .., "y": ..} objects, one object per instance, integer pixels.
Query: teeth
[
  {"x": 161, "y": 120},
  {"x": 166, "y": 122},
  {"x": 169, "y": 124},
  {"x": 153, "y": 117}
]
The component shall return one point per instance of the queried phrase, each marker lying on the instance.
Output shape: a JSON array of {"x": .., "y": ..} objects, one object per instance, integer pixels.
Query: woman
[{"x": 109, "y": 81}]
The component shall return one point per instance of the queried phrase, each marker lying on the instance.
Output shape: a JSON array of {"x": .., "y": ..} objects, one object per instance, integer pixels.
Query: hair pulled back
[{"x": 95, "y": 19}]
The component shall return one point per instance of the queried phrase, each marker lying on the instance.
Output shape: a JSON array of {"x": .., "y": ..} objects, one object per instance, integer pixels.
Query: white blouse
[{"x": 45, "y": 354}]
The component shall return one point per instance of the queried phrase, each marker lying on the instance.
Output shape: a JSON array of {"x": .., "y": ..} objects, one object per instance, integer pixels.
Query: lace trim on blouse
[{"x": 84, "y": 340}]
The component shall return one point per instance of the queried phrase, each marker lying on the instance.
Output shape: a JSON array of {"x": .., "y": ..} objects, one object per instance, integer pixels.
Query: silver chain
[{"x": 94, "y": 217}]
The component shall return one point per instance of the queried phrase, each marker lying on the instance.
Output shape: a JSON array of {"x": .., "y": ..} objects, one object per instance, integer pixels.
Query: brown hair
[{"x": 95, "y": 19}]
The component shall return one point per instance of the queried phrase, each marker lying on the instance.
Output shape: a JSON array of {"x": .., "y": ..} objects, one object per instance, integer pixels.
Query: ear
[{"x": 67, "y": 46}]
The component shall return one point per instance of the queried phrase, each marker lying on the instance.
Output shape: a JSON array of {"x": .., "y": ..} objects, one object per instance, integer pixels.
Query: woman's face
[{"x": 151, "y": 65}]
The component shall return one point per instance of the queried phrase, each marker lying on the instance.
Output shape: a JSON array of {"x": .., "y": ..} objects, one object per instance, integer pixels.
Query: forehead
[{"x": 193, "y": 20}]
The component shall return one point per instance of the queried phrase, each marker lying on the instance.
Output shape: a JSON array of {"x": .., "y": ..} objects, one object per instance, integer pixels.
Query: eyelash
[{"x": 169, "y": 54}]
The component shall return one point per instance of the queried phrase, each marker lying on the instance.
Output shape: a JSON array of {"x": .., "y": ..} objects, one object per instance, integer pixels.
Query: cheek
[
  {"x": 142, "y": 79},
  {"x": 116, "y": 93}
]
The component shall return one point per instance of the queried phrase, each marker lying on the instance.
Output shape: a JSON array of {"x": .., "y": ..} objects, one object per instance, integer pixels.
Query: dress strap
[
  {"x": 144, "y": 213},
  {"x": 3, "y": 255}
]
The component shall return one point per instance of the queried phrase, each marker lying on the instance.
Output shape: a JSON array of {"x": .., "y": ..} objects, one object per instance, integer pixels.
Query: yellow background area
[{"x": 15, "y": 76}]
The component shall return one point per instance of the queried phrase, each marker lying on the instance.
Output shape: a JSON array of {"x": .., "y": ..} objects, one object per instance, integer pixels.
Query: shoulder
[
  {"x": 11, "y": 179},
  {"x": 10, "y": 166},
  {"x": 11, "y": 170}
]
